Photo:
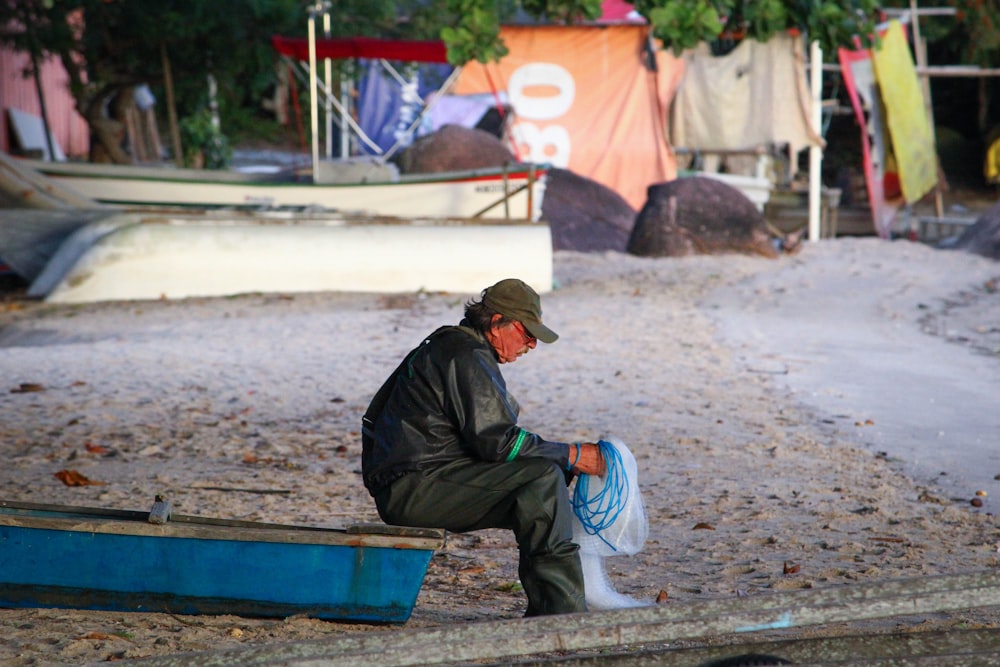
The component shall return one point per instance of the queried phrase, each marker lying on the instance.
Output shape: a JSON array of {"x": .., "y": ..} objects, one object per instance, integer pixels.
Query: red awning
[{"x": 411, "y": 50}]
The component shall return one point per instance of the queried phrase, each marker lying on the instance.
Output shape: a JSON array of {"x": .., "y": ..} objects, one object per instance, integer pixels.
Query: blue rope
[{"x": 601, "y": 511}]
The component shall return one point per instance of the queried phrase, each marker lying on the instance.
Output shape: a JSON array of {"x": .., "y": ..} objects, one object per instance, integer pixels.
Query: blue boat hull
[{"x": 79, "y": 568}]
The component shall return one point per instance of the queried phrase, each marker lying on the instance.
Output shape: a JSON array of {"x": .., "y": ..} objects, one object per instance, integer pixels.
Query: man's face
[{"x": 510, "y": 340}]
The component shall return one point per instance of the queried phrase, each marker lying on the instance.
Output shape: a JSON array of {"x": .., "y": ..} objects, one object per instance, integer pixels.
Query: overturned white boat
[{"x": 176, "y": 254}]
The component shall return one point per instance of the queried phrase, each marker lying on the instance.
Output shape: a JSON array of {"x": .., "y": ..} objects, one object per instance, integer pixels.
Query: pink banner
[{"x": 881, "y": 180}]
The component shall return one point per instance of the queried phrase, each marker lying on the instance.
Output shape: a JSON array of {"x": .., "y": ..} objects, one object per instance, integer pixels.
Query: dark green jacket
[{"x": 446, "y": 401}]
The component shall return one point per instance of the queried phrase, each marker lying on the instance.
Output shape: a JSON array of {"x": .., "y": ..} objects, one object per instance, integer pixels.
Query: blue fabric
[{"x": 385, "y": 108}]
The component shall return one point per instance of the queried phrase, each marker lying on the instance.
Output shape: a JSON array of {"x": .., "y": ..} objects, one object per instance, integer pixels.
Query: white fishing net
[{"x": 609, "y": 520}]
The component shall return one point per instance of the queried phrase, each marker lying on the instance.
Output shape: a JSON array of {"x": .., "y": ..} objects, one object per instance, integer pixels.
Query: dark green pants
[{"x": 527, "y": 496}]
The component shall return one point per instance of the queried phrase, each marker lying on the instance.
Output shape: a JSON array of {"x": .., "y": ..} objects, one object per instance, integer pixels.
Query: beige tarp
[{"x": 754, "y": 96}]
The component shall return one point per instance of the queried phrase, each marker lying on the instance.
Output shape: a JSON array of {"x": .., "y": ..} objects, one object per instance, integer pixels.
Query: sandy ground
[{"x": 833, "y": 412}]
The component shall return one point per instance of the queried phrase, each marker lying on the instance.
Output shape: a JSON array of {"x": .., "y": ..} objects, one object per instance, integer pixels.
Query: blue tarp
[{"x": 386, "y": 108}]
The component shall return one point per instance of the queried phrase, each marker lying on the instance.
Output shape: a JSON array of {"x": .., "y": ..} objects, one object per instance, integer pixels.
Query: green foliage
[
  {"x": 768, "y": 17},
  {"x": 564, "y": 11},
  {"x": 474, "y": 35},
  {"x": 471, "y": 31},
  {"x": 980, "y": 20},
  {"x": 108, "y": 46},
  {"x": 682, "y": 24},
  {"x": 204, "y": 144},
  {"x": 247, "y": 124}
]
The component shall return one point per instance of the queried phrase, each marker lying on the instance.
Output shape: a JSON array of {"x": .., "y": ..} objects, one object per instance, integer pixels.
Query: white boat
[
  {"x": 133, "y": 255},
  {"x": 505, "y": 192}
]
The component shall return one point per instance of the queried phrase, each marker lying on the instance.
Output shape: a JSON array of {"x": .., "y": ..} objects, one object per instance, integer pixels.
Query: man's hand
[{"x": 590, "y": 462}]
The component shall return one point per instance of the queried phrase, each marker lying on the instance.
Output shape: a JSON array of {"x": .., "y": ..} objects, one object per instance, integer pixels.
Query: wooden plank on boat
[
  {"x": 125, "y": 522},
  {"x": 24, "y": 187},
  {"x": 151, "y": 173},
  {"x": 608, "y": 630},
  {"x": 197, "y": 531},
  {"x": 937, "y": 648}
]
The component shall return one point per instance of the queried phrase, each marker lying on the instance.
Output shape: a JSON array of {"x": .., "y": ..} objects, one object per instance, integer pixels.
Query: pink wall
[{"x": 17, "y": 92}]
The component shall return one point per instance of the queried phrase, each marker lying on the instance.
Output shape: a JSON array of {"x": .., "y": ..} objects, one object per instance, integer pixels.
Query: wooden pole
[
  {"x": 313, "y": 101},
  {"x": 168, "y": 83},
  {"x": 36, "y": 67},
  {"x": 815, "y": 152},
  {"x": 328, "y": 80},
  {"x": 920, "y": 49}
]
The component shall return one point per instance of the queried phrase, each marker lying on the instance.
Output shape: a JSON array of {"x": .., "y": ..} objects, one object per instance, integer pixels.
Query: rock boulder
[
  {"x": 585, "y": 215},
  {"x": 453, "y": 148},
  {"x": 697, "y": 215},
  {"x": 983, "y": 237}
]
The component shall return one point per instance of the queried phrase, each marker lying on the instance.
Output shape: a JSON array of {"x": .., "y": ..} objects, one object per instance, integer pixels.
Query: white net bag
[{"x": 609, "y": 520}]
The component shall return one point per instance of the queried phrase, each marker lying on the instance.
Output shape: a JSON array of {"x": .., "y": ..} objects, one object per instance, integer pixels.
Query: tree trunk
[{"x": 106, "y": 134}]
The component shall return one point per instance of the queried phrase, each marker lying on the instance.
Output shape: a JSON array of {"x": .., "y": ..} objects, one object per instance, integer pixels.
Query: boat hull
[
  {"x": 179, "y": 255},
  {"x": 58, "y": 557}
]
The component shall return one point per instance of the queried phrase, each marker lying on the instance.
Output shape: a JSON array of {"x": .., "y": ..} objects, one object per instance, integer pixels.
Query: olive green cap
[{"x": 514, "y": 299}]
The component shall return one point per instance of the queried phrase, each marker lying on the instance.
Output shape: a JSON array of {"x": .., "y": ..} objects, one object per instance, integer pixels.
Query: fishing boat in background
[
  {"x": 119, "y": 560},
  {"x": 513, "y": 192}
]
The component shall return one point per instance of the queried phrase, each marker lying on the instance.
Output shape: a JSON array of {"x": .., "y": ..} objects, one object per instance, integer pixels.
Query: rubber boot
[{"x": 553, "y": 584}]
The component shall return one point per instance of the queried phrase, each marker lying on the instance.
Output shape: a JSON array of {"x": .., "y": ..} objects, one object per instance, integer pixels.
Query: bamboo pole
[
  {"x": 327, "y": 101},
  {"x": 37, "y": 69},
  {"x": 313, "y": 102},
  {"x": 168, "y": 84},
  {"x": 920, "y": 49}
]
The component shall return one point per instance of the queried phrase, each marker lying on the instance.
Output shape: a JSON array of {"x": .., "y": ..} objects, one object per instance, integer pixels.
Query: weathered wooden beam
[
  {"x": 938, "y": 70},
  {"x": 30, "y": 189},
  {"x": 955, "y": 647},
  {"x": 920, "y": 11},
  {"x": 623, "y": 627}
]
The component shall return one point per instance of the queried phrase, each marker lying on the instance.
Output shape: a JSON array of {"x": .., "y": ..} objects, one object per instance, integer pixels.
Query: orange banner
[{"x": 585, "y": 99}]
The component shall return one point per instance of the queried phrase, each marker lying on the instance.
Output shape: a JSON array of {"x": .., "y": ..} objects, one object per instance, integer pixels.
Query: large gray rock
[
  {"x": 983, "y": 237},
  {"x": 585, "y": 215},
  {"x": 453, "y": 148},
  {"x": 699, "y": 216}
]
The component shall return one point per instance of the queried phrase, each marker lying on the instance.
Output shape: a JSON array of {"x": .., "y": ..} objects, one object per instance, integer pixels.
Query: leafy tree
[
  {"x": 681, "y": 25},
  {"x": 472, "y": 26},
  {"x": 110, "y": 46}
]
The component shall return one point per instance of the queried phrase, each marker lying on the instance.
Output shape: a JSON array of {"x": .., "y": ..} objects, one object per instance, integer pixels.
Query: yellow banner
[{"x": 906, "y": 114}]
